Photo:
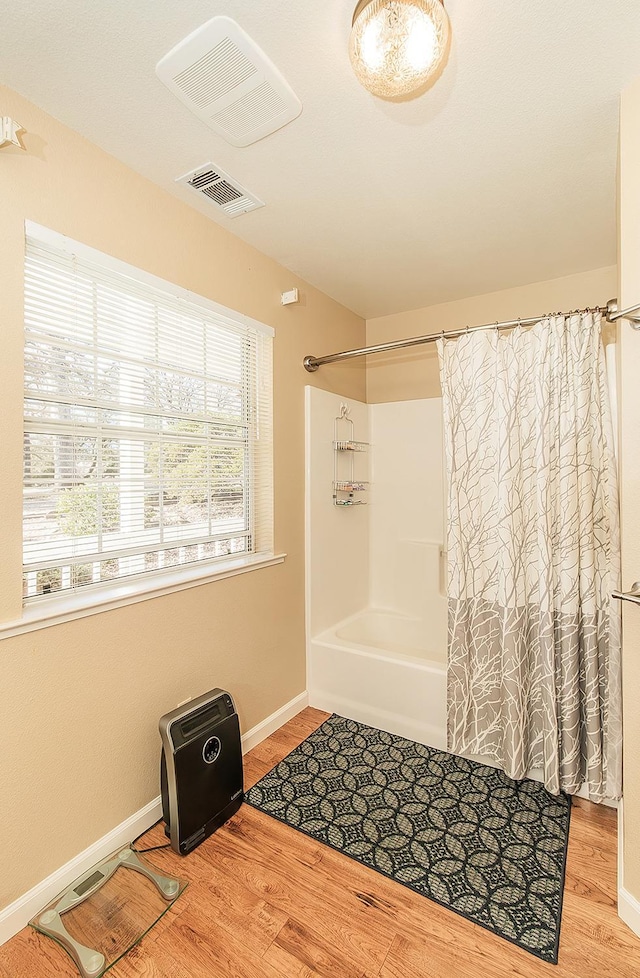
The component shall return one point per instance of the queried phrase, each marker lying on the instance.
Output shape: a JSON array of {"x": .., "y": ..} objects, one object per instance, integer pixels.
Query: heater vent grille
[
  {"x": 217, "y": 186},
  {"x": 222, "y": 75}
]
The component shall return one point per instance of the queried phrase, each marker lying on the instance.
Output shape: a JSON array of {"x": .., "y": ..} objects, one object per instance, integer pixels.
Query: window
[{"x": 147, "y": 423}]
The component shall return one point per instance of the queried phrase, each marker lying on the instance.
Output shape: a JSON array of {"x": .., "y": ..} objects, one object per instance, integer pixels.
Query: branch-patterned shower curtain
[{"x": 533, "y": 553}]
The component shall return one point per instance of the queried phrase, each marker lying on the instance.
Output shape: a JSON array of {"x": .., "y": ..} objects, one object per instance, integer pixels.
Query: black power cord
[{"x": 167, "y": 845}]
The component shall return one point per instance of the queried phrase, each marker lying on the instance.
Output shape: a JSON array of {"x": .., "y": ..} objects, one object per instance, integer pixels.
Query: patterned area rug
[{"x": 463, "y": 834}]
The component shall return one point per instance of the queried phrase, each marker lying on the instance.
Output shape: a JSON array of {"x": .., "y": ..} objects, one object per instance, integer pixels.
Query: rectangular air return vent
[
  {"x": 222, "y": 75},
  {"x": 217, "y": 186}
]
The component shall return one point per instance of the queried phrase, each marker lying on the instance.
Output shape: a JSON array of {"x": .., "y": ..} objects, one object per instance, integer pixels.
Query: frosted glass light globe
[{"x": 397, "y": 45}]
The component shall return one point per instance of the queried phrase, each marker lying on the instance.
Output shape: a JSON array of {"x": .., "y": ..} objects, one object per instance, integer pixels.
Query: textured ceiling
[{"x": 502, "y": 174}]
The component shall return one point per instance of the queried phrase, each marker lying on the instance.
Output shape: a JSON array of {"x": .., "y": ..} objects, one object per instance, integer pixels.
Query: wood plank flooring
[{"x": 265, "y": 901}]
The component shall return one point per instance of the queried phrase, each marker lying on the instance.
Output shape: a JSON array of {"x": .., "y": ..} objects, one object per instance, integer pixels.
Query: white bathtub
[
  {"x": 379, "y": 668},
  {"x": 391, "y": 632},
  {"x": 385, "y": 669}
]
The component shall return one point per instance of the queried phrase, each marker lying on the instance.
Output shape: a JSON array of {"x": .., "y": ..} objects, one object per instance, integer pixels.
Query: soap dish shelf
[
  {"x": 350, "y": 445},
  {"x": 348, "y": 486}
]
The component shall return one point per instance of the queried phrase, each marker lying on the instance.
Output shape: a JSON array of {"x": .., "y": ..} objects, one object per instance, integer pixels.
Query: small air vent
[
  {"x": 202, "y": 179},
  {"x": 222, "y": 191},
  {"x": 225, "y": 192},
  {"x": 222, "y": 75}
]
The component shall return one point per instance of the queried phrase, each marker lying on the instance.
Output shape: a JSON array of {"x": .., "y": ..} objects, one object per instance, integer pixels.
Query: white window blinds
[{"x": 147, "y": 423}]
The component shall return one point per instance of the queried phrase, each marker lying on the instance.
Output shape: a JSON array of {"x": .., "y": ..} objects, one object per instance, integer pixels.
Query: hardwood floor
[{"x": 264, "y": 901}]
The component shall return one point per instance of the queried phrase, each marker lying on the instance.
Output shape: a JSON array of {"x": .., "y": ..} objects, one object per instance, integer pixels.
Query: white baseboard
[
  {"x": 272, "y": 723},
  {"x": 14, "y": 917},
  {"x": 629, "y": 910},
  {"x": 18, "y": 914}
]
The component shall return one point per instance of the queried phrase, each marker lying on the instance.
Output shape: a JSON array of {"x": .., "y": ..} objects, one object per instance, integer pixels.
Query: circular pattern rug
[{"x": 461, "y": 833}]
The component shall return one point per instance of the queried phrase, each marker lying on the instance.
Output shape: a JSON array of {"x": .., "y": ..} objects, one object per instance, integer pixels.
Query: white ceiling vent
[
  {"x": 228, "y": 82},
  {"x": 217, "y": 186}
]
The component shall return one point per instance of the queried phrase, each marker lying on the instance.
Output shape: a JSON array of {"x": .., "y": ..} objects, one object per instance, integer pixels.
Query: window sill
[{"x": 56, "y": 610}]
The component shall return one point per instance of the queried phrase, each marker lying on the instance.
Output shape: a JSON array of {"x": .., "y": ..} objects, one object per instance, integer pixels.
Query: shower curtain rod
[{"x": 610, "y": 312}]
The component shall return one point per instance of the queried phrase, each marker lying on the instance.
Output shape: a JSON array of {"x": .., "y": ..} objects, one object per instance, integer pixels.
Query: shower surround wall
[
  {"x": 376, "y": 612},
  {"x": 406, "y": 520}
]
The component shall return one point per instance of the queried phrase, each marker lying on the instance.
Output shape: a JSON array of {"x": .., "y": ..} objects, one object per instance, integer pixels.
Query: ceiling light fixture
[{"x": 397, "y": 46}]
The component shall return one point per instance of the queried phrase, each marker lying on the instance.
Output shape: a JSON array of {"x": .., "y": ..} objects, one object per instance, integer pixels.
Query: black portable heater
[{"x": 201, "y": 774}]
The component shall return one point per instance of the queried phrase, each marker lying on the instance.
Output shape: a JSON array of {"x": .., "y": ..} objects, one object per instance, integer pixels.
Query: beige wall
[
  {"x": 413, "y": 373},
  {"x": 629, "y": 381},
  {"x": 81, "y": 701}
]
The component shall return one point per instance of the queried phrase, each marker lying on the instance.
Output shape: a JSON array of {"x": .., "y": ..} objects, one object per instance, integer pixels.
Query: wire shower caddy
[{"x": 346, "y": 487}]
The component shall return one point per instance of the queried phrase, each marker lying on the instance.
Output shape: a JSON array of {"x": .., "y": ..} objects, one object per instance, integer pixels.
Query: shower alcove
[{"x": 376, "y": 612}]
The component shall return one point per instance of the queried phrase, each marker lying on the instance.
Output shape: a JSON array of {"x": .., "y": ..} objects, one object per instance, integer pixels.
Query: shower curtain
[{"x": 534, "y": 676}]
